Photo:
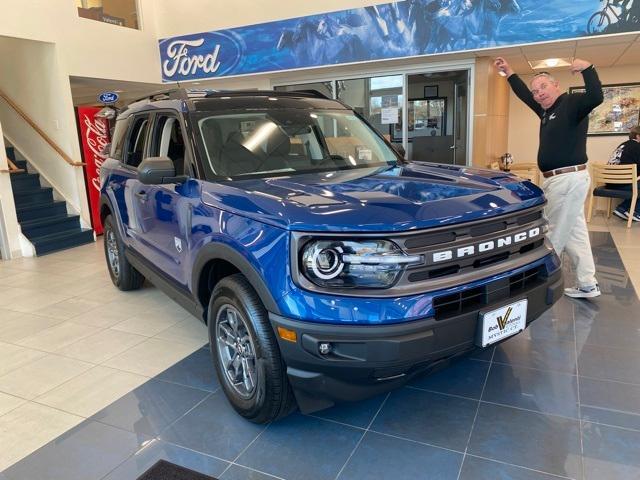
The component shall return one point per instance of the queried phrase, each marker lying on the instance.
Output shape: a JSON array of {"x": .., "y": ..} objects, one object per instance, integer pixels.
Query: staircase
[{"x": 44, "y": 221}]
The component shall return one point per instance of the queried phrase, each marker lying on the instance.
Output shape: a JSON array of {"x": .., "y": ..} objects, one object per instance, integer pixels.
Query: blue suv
[{"x": 326, "y": 267}]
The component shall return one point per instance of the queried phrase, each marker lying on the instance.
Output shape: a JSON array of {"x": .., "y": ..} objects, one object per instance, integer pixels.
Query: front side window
[
  {"x": 136, "y": 141},
  {"x": 288, "y": 142},
  {"x": 167, "y": 141}
]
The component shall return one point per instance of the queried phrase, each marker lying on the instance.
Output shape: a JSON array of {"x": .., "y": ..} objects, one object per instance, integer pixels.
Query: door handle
[{"x": 452, "y": 147}]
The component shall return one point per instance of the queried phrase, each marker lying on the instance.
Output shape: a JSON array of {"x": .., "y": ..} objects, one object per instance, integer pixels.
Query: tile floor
[{"x": 99, "y": 384}]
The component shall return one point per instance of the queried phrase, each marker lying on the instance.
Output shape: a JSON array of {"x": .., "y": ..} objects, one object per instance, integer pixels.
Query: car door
[
  {"x": 125, "y": 177},
  {"x": 164, "y": 211}
]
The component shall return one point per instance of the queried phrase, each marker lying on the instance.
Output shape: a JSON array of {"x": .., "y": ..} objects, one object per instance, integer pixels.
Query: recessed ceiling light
[{"x": 550, "y": 63}]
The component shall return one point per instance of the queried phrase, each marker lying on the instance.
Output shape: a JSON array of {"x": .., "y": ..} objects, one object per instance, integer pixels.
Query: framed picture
[
  {"x": 431, "y": 91},
  {"x": 619, "y": 111}
]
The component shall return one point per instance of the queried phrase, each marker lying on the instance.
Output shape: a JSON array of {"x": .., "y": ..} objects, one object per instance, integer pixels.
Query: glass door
[{"x": 437, "y": 109}]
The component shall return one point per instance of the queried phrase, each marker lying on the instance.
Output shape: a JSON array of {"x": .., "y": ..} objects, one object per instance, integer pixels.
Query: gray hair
[{"x": 550, "y": 77}]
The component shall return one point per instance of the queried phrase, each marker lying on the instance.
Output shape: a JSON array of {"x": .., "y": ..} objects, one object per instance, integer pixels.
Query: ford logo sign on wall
[
  {"x": 200, "y": 56},
  {"x": 108, "y": 97}
]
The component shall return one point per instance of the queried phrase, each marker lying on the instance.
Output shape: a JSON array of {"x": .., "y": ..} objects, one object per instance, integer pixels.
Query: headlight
[{"x": 347, "y": 264}]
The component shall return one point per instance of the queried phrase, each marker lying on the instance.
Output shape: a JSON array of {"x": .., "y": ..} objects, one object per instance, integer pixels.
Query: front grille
[
  {"x": 477, "y": 235},
  {"x": 448, "y": 306}
]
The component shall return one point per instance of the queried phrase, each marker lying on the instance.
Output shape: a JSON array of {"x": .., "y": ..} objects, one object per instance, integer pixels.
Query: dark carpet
[{"x": 163, "y": 470}]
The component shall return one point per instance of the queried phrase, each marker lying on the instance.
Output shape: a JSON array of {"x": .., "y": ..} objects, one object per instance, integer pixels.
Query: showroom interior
[{"x": 100, "y": 383}]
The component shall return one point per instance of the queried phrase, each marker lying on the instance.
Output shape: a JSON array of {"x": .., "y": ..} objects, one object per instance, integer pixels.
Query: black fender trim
[{"x": 220, "y": 251}]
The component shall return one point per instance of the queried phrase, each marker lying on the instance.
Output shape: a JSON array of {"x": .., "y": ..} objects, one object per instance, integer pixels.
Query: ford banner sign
[
  {"x": 384, "y": 31},
  {"x": 108, "y": 98}
]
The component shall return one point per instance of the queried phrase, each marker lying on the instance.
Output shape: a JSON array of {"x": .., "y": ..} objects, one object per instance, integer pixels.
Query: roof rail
[
  {"x": 174, "y": 94},
  {"x": 266, "y": 93}
]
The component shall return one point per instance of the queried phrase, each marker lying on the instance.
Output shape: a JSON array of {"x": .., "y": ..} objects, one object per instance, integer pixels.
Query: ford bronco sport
[{"x": 326, "y": 267}]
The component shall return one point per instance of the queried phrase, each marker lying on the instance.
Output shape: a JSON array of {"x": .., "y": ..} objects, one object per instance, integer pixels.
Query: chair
[
  {"x": 603, "y": 176},
  {"x": 528, "y": 170}
]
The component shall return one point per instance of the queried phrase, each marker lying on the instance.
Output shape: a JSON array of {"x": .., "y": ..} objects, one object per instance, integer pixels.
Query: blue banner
[{"x": 390, "y": 30}]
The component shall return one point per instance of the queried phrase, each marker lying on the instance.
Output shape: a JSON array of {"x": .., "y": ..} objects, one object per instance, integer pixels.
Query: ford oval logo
[
  {"x": 203, "y": 55},
  {"x": 108, "y": 97}
]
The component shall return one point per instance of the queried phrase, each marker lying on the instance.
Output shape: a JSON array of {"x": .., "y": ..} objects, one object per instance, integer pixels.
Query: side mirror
[{"x": 158, "y": 170}]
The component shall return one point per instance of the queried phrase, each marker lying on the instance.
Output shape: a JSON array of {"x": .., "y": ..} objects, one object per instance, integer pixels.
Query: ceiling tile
[{"x": 608, "y": 39}]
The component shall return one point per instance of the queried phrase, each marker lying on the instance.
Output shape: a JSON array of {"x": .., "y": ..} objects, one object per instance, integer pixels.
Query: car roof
[{"x": 211, "y": 100}]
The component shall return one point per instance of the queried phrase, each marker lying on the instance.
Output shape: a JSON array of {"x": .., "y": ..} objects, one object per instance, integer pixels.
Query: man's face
[{"x": 545, "y": 91}]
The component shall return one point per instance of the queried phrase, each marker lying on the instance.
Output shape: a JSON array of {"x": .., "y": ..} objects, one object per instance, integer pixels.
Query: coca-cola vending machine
[{"x": 94, "y": 136}]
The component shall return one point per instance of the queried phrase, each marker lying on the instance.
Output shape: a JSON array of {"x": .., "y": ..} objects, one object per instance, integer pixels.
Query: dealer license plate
[{"x": 502, "y": 322}]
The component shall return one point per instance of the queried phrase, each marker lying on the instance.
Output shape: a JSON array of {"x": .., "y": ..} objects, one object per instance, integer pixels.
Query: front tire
[
  {"x": 246, "y": 353},
  {"x": 122, "y": 273}
]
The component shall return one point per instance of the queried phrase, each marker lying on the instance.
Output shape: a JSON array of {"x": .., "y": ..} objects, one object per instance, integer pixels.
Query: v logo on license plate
[{"x": 502, "y": 321}]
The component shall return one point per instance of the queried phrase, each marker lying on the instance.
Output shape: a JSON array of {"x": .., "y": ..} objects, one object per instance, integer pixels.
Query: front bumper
[{"x": 368, "y": 360}]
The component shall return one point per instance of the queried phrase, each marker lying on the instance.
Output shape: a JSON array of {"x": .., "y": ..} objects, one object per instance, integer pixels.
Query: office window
[{"x": 123, "y": 13}]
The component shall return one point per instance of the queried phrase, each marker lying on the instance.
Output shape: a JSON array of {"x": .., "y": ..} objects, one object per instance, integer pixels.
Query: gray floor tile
[
  {"x": 401, "y": 459},
  {"x": 151, "y": 407},
  {"x": 195, "y": 371},
  {"x": 549, "y": 326},
  {"x": 432, "y": 418},
  {"x": 86, "y": 452},
  {"x": 484, "y": 354},
  {"x": 541, "y": 354},
  {"x": 610, "y": 453},
  {"x": 156, "y": 450},
  {"x": 546, "y": 392},
  {"x": 611, "y": 326},
  {"x": 358, "y": 414},
  {"x": 610, "y": 403},
  {"x": 213, "y": 428},
  {"x": 475, "y": 468},
  {"x": 464, "y": 377},
  {"x": 541, "y": 442},
  {"x": 609, "y": 363},
  {"x": 300, "y": 448}
]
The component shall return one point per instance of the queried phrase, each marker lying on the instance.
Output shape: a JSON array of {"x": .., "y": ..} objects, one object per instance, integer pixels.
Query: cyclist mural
[{"x": 389, "y": 30}]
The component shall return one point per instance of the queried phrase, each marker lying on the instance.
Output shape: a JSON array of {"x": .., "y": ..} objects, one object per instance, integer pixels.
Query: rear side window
[
  {"x": 136, "y": 140},
  {"x": 117, "y": 141}
]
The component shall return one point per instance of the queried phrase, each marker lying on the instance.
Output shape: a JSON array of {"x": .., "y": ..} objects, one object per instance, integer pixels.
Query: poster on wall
[
  {"x": 389, "y": 30},
  {"x": 619, "y": 111},
  {"x": 94, "y": 135}
]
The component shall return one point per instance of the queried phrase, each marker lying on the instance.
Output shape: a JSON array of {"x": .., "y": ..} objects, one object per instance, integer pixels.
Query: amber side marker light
[{"x": 288, "y": 335}]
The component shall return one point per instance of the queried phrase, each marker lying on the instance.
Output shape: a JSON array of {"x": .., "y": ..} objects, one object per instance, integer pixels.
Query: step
[
  {"x": 46, "y": 226},
  {"x": 61, "y": 241},
  {"x": 25, "y": 181},
  {"x": 21, "y": 164},
  {"x": 11, "y": 153},
  {"x": 34, "y": 196},
  {"x": 40, "y": 210}
]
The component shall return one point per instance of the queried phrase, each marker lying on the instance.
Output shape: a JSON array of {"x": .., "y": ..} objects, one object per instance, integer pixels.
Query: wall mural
[{"x": 389, "y": 30}]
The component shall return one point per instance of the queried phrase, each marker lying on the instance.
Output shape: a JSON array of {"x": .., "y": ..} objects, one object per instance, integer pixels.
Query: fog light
[{"x": 325, "y": 348}]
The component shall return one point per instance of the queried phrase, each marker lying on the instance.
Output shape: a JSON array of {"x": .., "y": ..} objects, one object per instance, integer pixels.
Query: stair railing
[
  {"x": 39, "y": 131},
  {"x": 12, "y": 168}
]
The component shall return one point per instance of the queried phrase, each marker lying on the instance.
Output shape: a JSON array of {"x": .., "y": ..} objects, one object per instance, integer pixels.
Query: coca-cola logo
[
  {"x": 96, "y": 137},
  {"x": 200, "y": 56}
]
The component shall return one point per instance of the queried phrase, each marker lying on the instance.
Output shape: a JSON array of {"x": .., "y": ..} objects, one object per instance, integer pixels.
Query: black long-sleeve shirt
[{"x": 564, "y": 125}]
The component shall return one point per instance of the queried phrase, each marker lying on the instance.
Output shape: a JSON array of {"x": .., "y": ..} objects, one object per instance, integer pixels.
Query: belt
[{"x": 559, "y": 171}]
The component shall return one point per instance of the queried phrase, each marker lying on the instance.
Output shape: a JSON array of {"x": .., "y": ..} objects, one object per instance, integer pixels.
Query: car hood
[{"x": 389, "y": 199}]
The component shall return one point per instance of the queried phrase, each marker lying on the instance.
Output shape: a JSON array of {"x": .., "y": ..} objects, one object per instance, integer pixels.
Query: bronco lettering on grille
[{"x": 483, "y": 247}]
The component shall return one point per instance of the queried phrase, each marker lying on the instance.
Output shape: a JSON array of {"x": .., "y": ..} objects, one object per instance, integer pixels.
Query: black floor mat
[{"x": 163, "y": 470}]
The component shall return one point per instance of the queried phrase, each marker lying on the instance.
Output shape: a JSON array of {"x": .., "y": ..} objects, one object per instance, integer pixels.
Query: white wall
[
  {"x": 88, "y": 48},
  {"x": 47, "y": 100},
  {"x": 524, "y": 125}
]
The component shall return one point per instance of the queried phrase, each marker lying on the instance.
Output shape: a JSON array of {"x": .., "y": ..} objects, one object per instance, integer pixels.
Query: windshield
[{"x": 288, "y": 142}]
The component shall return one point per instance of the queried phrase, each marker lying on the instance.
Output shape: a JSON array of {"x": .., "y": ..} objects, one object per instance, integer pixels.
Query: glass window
[
  {"x": 289, "y": 142},
  {"x": 118, "y": 139},
  {"x": 167, "y": 141},
  {"x": 123, "y": 13},
  {"x": 136, "y": 141}
]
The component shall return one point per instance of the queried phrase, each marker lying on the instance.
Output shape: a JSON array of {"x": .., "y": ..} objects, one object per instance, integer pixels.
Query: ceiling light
[{"x": 550, "y": 63}]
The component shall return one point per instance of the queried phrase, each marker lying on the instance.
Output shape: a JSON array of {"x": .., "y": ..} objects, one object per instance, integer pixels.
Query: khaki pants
[{"x": 566, "y": 194}]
